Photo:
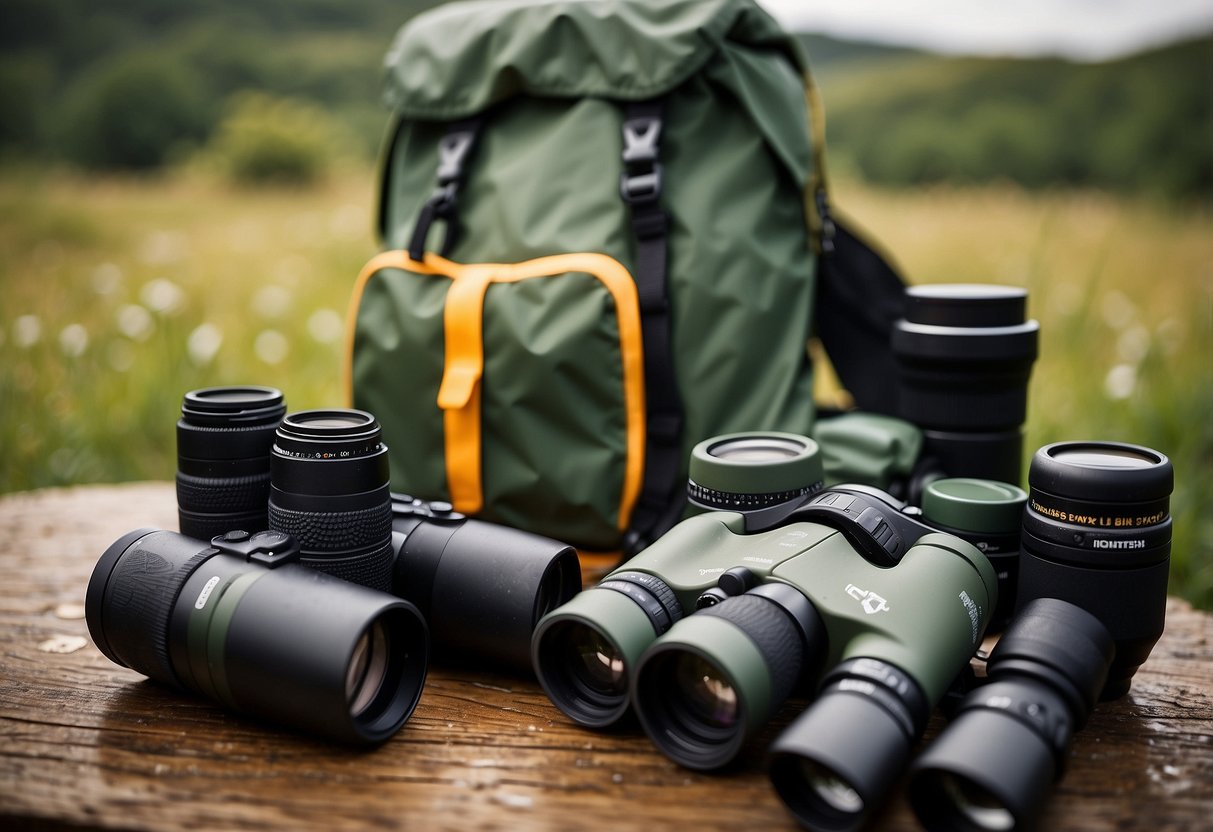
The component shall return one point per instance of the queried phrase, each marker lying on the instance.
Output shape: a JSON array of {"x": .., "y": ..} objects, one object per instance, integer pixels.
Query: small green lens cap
[
  {"x": 971, "y": 505},
  {"x": 761, "y": 462}
]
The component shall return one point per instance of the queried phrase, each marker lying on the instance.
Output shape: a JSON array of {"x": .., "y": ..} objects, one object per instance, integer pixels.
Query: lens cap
[
  {"x": 974, "y": 505},
  {"x": 966, "y": 305},
  {"x": 754, "y": 469},
  {"x": 233, "y": 406}
]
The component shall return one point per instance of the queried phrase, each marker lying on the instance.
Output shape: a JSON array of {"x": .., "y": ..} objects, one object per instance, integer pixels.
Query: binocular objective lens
[
  {"x": 708, "y": 699},
  {"x": 975, "y": 804},
  {"x": 831, "y": 789},
  {"x": 594, "y": 663},
  {"x": 368, "y": 668}
]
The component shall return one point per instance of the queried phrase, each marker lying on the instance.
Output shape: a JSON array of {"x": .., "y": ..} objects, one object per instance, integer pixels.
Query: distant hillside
[
  {"x": 107, "y": 83},
  {"x": 1141, "y": 124},
  {"x": 830, "y": 57}
]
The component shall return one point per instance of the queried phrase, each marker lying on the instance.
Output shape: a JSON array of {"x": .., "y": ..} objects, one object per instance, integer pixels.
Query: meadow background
[{"x": 186, "y": 194}]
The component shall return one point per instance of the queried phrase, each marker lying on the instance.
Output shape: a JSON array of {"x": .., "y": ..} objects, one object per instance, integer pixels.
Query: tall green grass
[{"x": 118, "y": 295}]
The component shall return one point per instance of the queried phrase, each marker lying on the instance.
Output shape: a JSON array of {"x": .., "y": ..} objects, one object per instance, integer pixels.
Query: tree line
[{"x": 138, "y": 84}]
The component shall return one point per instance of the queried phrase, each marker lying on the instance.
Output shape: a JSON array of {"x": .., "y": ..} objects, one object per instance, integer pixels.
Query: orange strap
[{"x": 459, "y": 395}]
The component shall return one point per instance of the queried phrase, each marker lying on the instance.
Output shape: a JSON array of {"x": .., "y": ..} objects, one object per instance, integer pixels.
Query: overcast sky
[{"x": 1079, "y": 29}]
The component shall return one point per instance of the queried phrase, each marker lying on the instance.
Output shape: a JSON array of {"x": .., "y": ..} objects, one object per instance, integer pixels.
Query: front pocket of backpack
[{"x": 515, "y": 391}]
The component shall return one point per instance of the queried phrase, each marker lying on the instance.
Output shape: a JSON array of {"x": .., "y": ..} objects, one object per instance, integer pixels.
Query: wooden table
[{"x": 87, "y": 743}]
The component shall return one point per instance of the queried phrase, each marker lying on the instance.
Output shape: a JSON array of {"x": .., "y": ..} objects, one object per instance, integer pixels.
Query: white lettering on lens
[
  {"x": 974, "y": 614},
  {"x": 206, "y": 593},
  {"x": 1118, "y": 544}
]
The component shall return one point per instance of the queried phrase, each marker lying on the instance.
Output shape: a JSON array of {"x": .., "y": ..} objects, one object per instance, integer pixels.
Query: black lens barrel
[
  {"x": 1097, "y": 533},
  {"x": 993, "y": 766},
  {"x": 287, "y": 644},
  {"x": 224, "y": 438},
  {"x": 330, "y": 490},
  {"x": 965, "y": 353}
]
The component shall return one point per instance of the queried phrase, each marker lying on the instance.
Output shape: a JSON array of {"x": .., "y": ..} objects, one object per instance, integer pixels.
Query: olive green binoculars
[{"x": 843, "y": 591}]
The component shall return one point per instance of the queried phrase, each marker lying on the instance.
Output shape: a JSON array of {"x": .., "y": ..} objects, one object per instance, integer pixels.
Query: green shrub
[
  {"x": 26, "y": 82},
  {"x": 134, "y": 111},
  {"x": 263, "y": 139}
]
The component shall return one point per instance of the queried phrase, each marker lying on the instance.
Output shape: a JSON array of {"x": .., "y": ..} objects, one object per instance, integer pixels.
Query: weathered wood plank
[{"x": 86, "y": 743}]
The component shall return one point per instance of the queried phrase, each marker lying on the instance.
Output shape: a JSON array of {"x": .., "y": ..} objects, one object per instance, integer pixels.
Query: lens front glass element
[
  {"x": 975, "y": 804},
  {"x": 332, "y": 422},
  {"x": 367, "y": 669},
  {"x": 594, "y": 663},
  {"x": 1095, "y": 456},
  {"x": 708, "y": 699},
  {"x": 830, "y": 788}
]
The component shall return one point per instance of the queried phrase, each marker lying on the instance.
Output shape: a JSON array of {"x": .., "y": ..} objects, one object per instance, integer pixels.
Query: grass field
[{"x": 118, "y": 295}]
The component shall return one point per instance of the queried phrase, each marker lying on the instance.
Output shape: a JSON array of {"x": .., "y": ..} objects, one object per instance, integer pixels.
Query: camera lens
[
  {"x": 716, "y": 677},
  {"x": 224, "y": 438},
  {"x": 964, "y": 354},
  {"x": 749, "y": 471},
  {"x": 1097, "y": 533},
  {"x": 584, "y": 652},
  {"x": 993, "y": 766},
  {"x": 329, "y": 489},
  {"x": 285, "y": 644}
]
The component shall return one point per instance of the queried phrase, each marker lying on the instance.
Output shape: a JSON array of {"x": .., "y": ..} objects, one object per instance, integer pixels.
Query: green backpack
[{"x": 631, "y": 196}]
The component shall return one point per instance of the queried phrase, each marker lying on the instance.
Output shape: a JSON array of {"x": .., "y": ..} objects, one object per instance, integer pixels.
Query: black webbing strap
[
  {"x": 662, "y": 495},
  {"x": 859, "y": 299},
  {"x": 454, "y": 150}
]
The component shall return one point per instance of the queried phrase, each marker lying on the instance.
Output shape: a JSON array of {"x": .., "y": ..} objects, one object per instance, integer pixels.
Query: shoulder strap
[
  {"x": 859, "y": 299},
  {"x": 661, "y": 498}
]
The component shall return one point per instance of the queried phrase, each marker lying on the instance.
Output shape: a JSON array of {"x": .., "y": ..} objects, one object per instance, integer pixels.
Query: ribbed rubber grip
[
  {"x": 774, "y": 634},
  {"x": 353, "y": 545},
  {"x": 213, "y": 495}
]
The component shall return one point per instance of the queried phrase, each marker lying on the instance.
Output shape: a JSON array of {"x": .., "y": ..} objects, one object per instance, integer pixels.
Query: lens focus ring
[
  {"x": 212, "y": 495},
  {"x": 352, "y": 545}
]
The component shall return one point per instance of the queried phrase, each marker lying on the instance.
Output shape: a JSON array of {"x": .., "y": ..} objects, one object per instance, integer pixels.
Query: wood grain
[{"x": 86, "y": 743}]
